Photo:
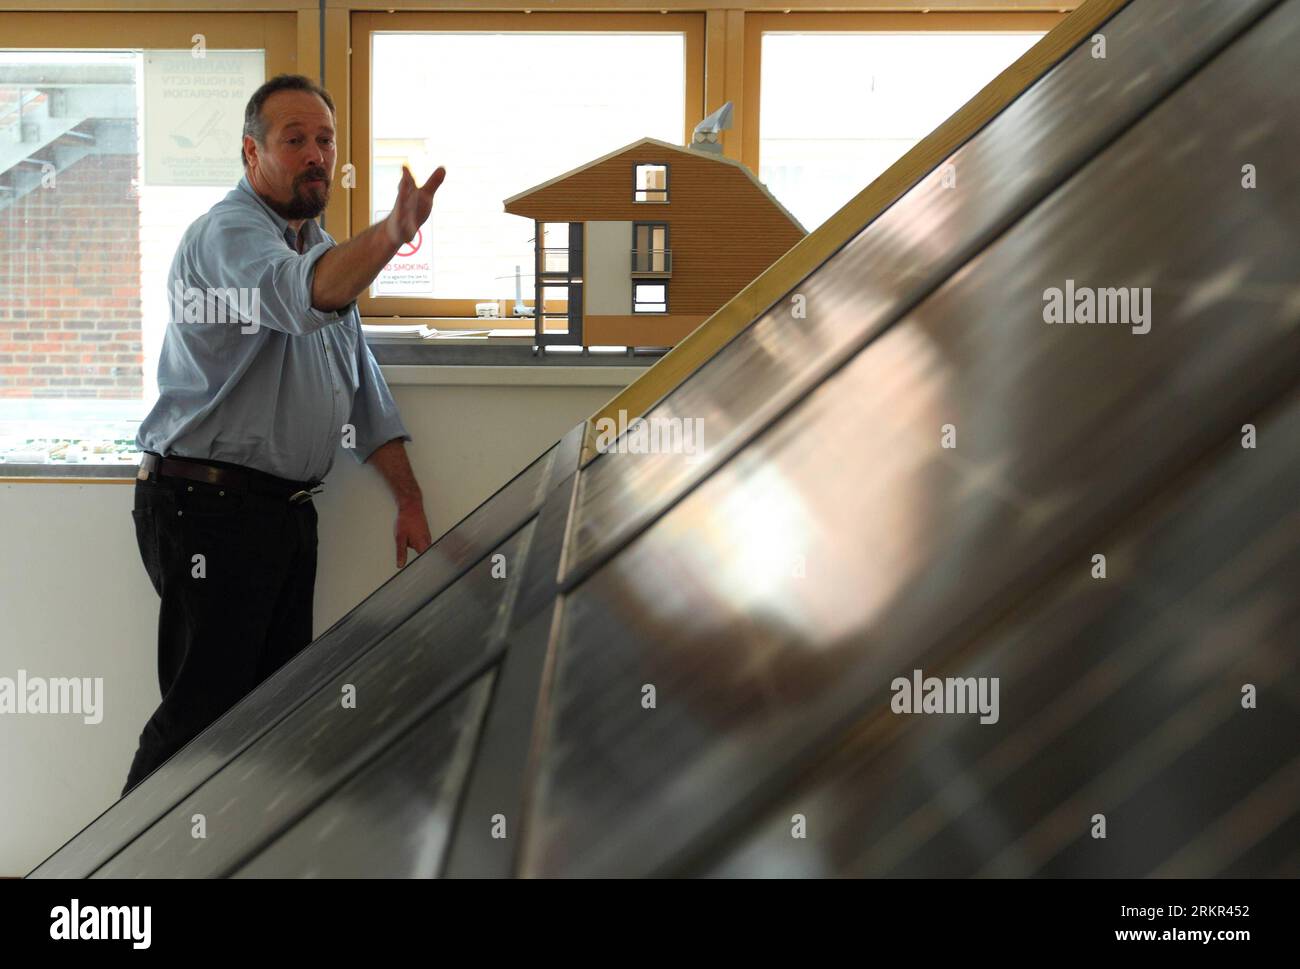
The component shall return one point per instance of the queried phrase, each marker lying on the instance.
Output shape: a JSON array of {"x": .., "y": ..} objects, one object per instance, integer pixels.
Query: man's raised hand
[{"x": 413, "y": 205}]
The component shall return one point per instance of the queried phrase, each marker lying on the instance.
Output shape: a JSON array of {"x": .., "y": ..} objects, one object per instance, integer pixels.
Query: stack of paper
[{"x": 387, "y": 331}]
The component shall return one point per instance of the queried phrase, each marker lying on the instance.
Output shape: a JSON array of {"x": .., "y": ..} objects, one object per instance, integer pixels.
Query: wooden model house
[{"x": 640, "y": 246}]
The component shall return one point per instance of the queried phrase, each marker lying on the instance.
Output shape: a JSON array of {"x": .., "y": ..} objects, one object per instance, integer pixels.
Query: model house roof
[{"x": 664, "y": 146}]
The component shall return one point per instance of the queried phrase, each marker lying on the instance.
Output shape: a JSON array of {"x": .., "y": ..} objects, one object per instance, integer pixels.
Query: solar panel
[
  {"x": 1120, "y": 696},
  {"x": 1051, "y": 129},
  {"x": 334, "y": 732},
  {"x": 393, "y": 818},
  {"x": 849, "y": 544},
  {"x": 482, "y": 530},
  {"x": 683, "y": 657}
]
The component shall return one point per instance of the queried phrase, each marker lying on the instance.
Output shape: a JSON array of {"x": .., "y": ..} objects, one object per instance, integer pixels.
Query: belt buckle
[{"x": 301, "y": 497}]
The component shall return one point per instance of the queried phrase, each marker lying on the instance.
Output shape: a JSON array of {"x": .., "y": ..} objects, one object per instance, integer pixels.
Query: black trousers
[{"x": 235, "y": 572}]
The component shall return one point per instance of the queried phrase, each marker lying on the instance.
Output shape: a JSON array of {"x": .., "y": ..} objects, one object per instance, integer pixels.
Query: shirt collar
[{"x": 281, "y": 223}]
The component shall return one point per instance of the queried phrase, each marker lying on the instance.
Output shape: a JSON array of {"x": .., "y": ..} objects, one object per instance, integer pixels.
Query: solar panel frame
[
  {"x": 324, "y": 741},
  {"x": 499, "y": 782},
  {"x": 394, "y": 818}
]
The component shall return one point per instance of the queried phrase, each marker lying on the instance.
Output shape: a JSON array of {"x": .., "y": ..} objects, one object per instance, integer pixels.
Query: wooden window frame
[
  {"x": 280, "y": 32},
  {"x": 276, "y": 32},
  {"x": 364, "y": 24}
]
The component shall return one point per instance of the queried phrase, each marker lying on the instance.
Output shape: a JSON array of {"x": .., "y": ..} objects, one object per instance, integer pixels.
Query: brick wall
[{"x": 70, "y": 320}]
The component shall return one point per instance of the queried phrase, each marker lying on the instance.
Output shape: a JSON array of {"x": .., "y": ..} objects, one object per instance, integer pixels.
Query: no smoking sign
[{"x": 410, "y": 273}]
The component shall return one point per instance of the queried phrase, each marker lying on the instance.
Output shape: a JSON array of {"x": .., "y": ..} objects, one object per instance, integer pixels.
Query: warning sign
[
  {"x": 194, "y": 114},
  {"x": 410, "y": 273}
]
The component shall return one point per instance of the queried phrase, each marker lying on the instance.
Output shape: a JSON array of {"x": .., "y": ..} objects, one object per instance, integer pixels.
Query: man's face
[{"x": 293, "y": 171}]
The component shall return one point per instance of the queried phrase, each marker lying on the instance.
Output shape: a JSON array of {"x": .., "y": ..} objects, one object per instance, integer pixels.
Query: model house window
[
  {"x": 649, "y": 297},
  {"x": 652, "y": 183},
  {"x": 650, "y": 252}
]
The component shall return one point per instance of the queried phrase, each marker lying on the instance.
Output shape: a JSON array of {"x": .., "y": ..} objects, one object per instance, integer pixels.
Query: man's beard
[{"x": 305, "y": 204}]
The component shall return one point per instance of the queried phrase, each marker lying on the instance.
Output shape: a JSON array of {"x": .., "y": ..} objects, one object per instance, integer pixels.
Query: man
[{"x": 263, "y": 375}]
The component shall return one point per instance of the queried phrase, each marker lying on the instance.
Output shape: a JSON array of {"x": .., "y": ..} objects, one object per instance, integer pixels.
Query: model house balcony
[{"x": 652, "y": 262}]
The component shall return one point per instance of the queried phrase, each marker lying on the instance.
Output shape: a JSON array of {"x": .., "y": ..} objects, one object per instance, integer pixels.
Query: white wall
[
  {"x": 76, "y": 600},
  {"x": 607, "y": 287}
]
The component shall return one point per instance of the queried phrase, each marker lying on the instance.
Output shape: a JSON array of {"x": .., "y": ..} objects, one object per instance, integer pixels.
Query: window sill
[
  {"x": 500, "y": 354},
  {"x": 406, "y": 365},
  {"x": 68, "y": 473},
  {"x": 478, "y": 375}
]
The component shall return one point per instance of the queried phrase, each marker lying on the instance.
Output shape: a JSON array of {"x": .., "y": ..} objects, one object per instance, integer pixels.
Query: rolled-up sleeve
[
  {"x": 374, "y": 412},
  {"x": 243, "y": 252}
]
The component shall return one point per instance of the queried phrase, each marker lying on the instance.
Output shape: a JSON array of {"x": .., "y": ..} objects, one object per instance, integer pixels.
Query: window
[
  {"x": 558, "y": 249},
  {"x": 111, "y": 144},
  {"x": 839, "y": 106},
  {"x": 649, "y": 297},
  {"x": 560, "y": 262},
  {"x": 650, "y": 252},
  {"x": 549, "y": 93},
  {"x": 651, "y": 183}
]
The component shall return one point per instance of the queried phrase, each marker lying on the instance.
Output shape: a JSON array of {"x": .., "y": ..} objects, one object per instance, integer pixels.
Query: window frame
[
  {"x": 366, "y": 23},
  {"x": 278, "y": 32},
  {"x": 636, "y": 168},
  {"x": 651, "y": 282},
  {"x": 668, "y": 246}
]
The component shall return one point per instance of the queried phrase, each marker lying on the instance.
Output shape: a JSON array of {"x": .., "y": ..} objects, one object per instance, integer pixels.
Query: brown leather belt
[{"x": 234, "y": 479}]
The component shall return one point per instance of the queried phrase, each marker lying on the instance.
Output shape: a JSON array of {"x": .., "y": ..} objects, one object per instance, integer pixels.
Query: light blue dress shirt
[{"x": 250, "y": 371}]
